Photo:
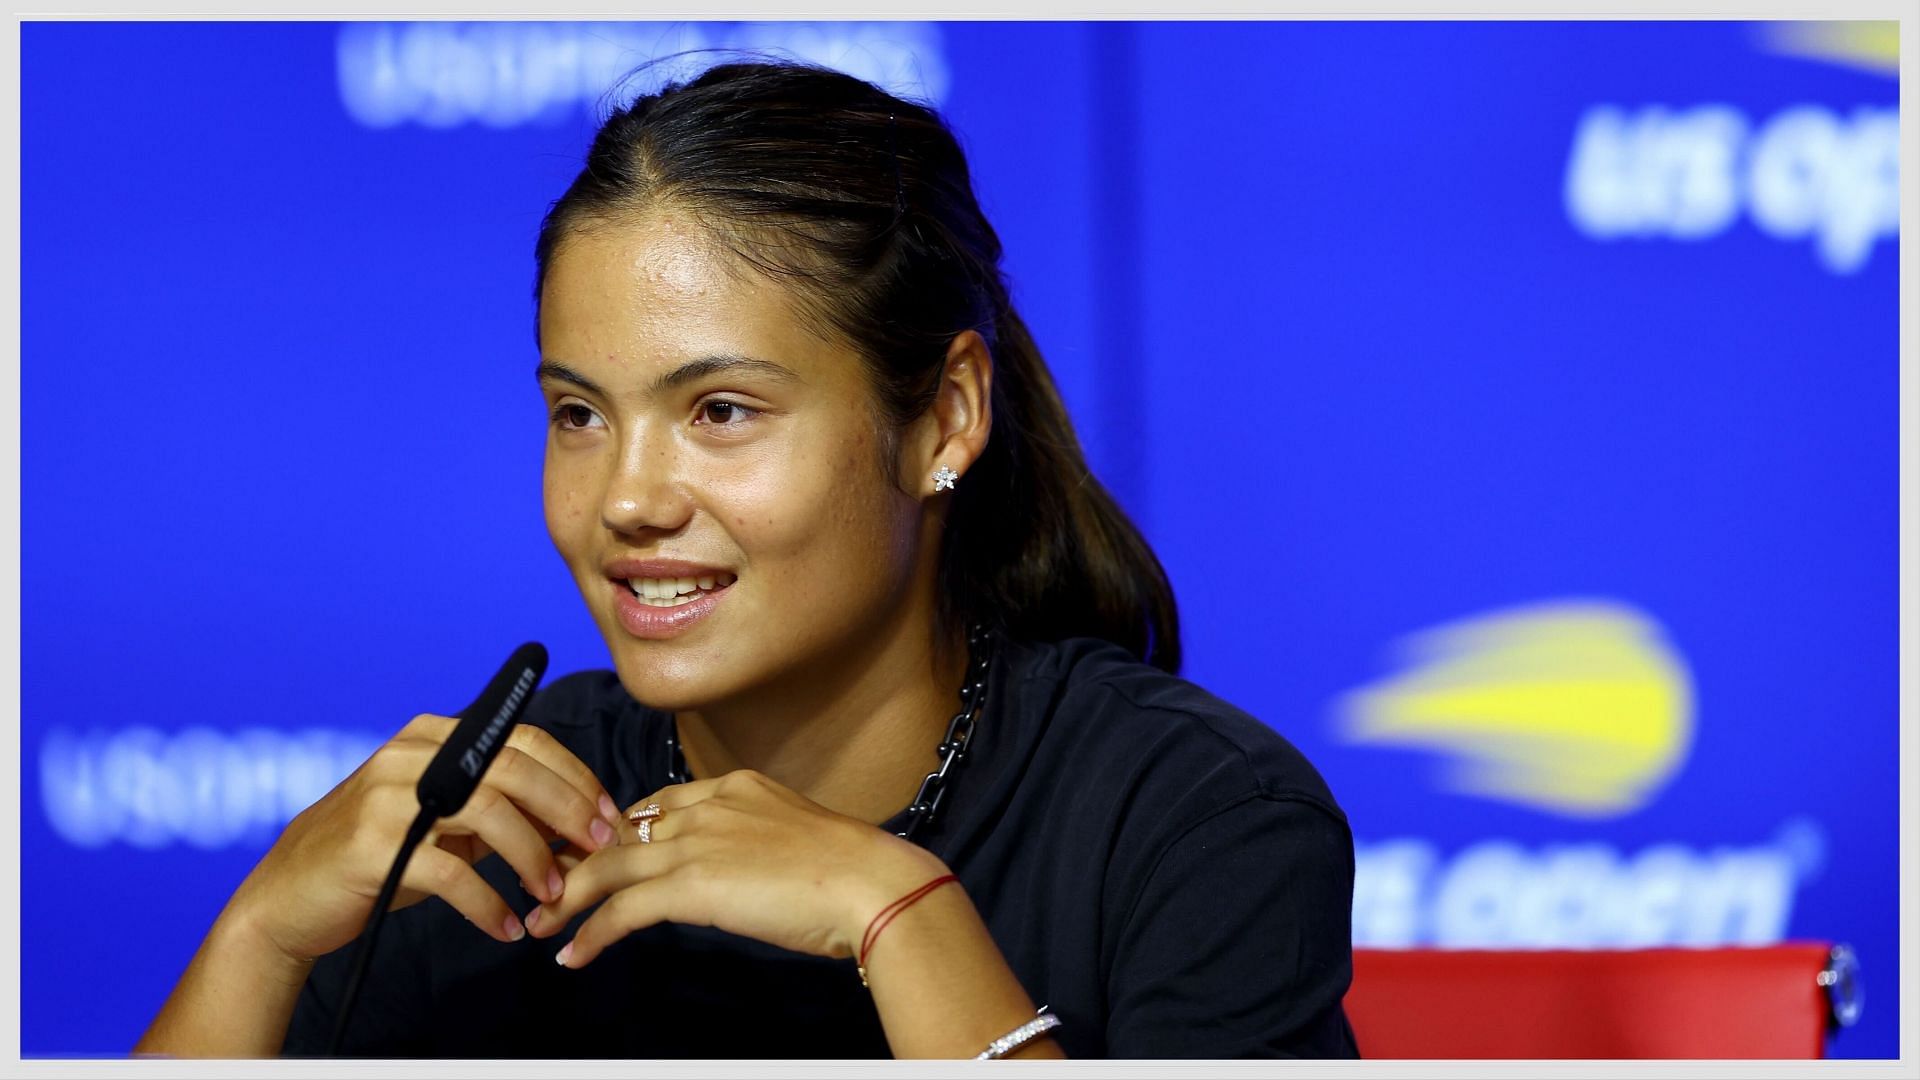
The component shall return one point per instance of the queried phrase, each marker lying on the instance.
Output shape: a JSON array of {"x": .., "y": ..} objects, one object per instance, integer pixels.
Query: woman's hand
[
  {"x": 314, "y": 889},
  {"x": 745, "y": 854}
]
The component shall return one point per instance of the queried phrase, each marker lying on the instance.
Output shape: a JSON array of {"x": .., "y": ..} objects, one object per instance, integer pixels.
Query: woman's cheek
[
  {"x": 766, "y": 499},
  {"x": 566, "y": 500}
]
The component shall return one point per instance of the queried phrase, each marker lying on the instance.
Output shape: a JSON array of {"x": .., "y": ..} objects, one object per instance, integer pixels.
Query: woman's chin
[
  {"x": 672, "y": 687},
  {"x": 664, "y": 695}
]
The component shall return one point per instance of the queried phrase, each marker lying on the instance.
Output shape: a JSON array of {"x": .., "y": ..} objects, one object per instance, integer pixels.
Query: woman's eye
[
  {"x": 724, "y": 413},
  {"x": 573, "y": 416}
]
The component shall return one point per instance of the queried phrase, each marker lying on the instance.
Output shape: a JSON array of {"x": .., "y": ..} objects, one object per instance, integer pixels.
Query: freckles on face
[
  {"x": 567, "y": 508},
  {"x": 773, "y": 477},
  {"x": 820, "y": 522}
]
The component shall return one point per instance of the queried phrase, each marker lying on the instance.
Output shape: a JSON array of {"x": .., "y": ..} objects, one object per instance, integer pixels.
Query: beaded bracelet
[{"x": 1019, "y": 1036}]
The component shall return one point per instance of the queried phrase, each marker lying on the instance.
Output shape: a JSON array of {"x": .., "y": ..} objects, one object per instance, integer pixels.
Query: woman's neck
[{"x": 859, "y": 743}]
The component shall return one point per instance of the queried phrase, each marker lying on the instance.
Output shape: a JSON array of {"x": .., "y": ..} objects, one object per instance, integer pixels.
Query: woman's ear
[{"x": 956, "y": 427}]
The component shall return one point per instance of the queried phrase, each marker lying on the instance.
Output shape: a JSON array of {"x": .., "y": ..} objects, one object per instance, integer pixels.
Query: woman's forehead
[
  {"x": 661, "y": 257},
  {"x": 658, "y": 289}
]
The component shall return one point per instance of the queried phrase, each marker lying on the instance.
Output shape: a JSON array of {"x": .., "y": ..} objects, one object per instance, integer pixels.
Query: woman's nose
[{"x": 647, "y": 491}]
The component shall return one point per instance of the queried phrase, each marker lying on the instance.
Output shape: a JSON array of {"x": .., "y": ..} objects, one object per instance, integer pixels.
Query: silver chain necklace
[{"x": 952, "y": 749}]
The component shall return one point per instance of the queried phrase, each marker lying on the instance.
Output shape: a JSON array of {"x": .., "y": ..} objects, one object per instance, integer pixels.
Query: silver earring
[{"x": 944, "y": 477}]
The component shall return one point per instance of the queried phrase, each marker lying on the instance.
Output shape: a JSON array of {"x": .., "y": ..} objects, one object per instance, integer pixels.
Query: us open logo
[
  {"x": 506, "y": 75},
  {"x": 1580, "y": 708}
]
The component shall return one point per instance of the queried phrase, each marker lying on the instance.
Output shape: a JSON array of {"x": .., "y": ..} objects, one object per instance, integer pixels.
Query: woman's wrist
[
  {"x": 942, "y": 988},
  {"x": 235, "y": 998},
  {"x": 899, "y": 867},
  {"x": 933, "y": 921},
  {"x": 245, "y": 930}
]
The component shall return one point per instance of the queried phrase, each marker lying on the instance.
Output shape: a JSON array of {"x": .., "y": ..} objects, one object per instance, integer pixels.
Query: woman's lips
[{"x": 644, "y": 620}]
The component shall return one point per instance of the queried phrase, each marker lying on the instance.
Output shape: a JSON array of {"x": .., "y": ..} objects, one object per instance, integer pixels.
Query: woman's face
[{"x": 705, "y": 447}]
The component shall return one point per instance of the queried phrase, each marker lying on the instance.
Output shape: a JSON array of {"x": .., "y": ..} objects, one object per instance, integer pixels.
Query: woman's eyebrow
[
  {"x": 685, "y": 373},
  {"x": 710, "y": 365},
  {"x": 554, "y": 369}
]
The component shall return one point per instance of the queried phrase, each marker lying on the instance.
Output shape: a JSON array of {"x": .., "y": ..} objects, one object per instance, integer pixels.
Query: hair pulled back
[{"x": 862, "y": 203}]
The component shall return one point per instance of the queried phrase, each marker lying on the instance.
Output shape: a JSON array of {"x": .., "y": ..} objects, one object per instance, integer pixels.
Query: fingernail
[
  {"x": 602, "y": 832},
  {"x": 515, "y": 931},
  {"x": 608, "y": 810},
  {"x": 554, "y": 884},
  {"x": 533, "y": 918},
  {"x": 565, "y": 953}
]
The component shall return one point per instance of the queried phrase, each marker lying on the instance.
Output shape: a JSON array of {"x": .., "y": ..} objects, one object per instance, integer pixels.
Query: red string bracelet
[{"x": 886, "y": 915}]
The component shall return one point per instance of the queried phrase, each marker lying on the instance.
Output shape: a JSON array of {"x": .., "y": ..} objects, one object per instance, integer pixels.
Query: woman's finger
[
  {"x": 569, "y": 857},
  {"x": 539, "y": 744},
  {"x": 431, "y": 726},
  {"x": 694, "y": 792},
  {"x": 668, "y": 898},
  {"x": 660, "y": 825},
  {"x": 500, "y": 826},
  {"x": 600, "y": 875},
  {"x": 548, "y": 797},
  {"x": 675, "y": 795},
  {"x": 443, "y": 874},
  {"x": 536, "y": 743}
]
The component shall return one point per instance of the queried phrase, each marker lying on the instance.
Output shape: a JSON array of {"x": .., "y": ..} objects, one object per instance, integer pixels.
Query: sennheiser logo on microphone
[{"x": 475, "y": 759}]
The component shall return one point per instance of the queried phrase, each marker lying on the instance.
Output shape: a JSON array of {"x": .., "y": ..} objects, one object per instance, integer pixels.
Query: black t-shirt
[{"x": 1165, "y": 873}]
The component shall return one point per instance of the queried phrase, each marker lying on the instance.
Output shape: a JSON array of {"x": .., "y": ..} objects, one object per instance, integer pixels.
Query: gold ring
[{"x": 644, "y": 818}]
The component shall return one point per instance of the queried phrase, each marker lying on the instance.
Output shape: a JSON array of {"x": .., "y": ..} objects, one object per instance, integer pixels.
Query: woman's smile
[
  {"x": 656, "y": 599},
  {"x": 656, "y": 619}
]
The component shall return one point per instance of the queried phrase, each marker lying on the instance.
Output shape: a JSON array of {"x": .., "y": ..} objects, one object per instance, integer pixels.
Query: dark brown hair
[{"x": 863, "y": 203}]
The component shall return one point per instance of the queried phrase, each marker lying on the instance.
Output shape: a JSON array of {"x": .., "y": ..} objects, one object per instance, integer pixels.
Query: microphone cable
[{"x": 444, "y": 788}]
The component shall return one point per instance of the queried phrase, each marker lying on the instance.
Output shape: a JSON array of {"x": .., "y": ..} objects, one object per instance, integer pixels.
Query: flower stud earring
[{"x": 944, "y": 477}]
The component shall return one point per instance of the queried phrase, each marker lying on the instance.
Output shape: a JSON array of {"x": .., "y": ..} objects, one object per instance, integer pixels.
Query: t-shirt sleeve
[{"x": 1240, "y": 941}]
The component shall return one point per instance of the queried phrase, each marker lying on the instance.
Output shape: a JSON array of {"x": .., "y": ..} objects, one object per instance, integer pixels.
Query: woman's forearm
[
  {"x": 941, "y": 985},
  {"x": 235, "y": 999}
]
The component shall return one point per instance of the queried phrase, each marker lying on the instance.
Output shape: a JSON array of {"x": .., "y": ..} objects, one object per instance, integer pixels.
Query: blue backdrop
[{"x": 1513, "y": 405}]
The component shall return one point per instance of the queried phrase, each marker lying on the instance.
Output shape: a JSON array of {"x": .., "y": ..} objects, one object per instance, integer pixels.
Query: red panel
[{"x": 1629, "y": 1003}]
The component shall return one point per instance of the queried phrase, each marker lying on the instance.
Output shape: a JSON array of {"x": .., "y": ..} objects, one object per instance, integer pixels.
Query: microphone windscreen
[{"x": 456, "y": 770}]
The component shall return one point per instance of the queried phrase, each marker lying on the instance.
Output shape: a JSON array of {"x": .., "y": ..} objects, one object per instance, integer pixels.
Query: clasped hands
[{"x": 741, "y": 853}]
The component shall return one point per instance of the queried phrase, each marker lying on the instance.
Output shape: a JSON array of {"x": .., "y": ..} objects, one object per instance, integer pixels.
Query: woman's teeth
[{"x": 672, "y": 592}]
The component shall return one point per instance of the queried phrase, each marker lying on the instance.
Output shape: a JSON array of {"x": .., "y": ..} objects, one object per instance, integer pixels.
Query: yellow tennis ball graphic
[
  {"x": 1867, "y": 46},
  {"x": 1578, "y": 707}
]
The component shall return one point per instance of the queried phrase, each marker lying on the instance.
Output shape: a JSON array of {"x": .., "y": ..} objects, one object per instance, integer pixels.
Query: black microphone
[
  {"x": 455, "y": 771},
  {"x": 444, "y": 788}
]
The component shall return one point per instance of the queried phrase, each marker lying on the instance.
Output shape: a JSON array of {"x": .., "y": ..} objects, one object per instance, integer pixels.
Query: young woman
[{"x": 892, "y": 756}]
